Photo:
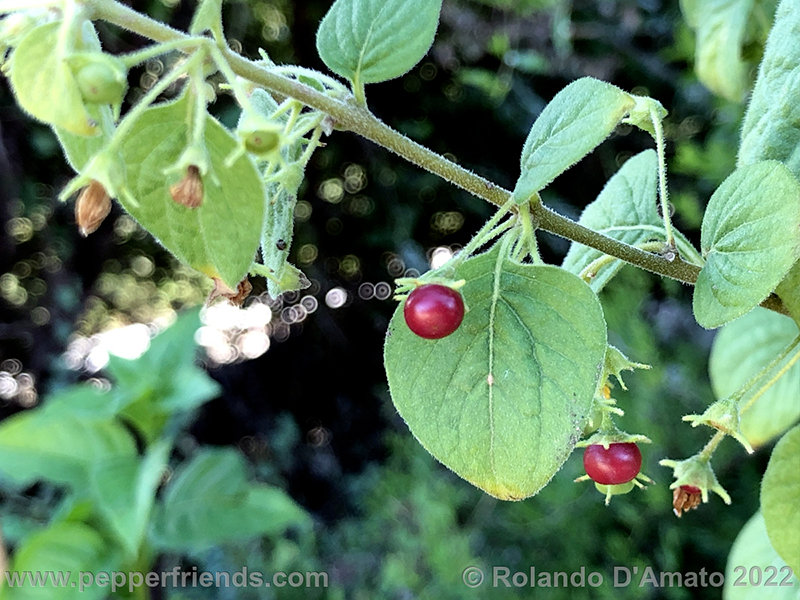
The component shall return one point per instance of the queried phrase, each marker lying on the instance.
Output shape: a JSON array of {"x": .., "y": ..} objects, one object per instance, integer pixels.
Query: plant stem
[
  {"x": 152, "y": 94},
  {"x": 564, "y": 227},
  {"x": 135, "y": 58},
  {"x": 348, "y": 115},
  {"x": 708, "y": 449},
  {"x": 486, "y": 233},
  {"x": 662, "y": 177}
]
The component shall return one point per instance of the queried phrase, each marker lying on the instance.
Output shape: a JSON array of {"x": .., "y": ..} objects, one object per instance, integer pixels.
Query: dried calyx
[{"x": 92, "y": 207}]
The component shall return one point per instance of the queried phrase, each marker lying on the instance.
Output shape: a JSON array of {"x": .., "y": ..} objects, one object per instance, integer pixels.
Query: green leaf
[
  {"x": 721, "y": 26},
  {"x": 753, "y": 553},
  {"x": 691, "y": 12},
  {"x": 780, "y": 498},
  {"x": 749, "y": 239},
  {"x": 62, "y": 447},
  {"x": 209, "y": 501},
  {"x": 220, "y": 237},
  {"x": 164, "y": 380},
  {"x": 502, "y": 400},
  {"x": 574, "y": 123},
  {"x": 741, "y": 349},
  {"x": 624, "y": 210},
  {"x": 65, "y": 549},
  {"x": 771, "y": 127},
  {"x": 44, "y": 85},
  {"x": 789, "y": 292},
  {"x": 369, "y": 41},
  {"x": 208, "y": 17},
  {"x": 124, "y": 491},
  {"x": 78, "y": 149}
]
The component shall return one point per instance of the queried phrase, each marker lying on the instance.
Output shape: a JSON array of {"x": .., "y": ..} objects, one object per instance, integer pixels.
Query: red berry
[
  {"x": 433, "y": 311},
  {"x": 690, "y": 489},
  {"x": 619, "y": 464}
]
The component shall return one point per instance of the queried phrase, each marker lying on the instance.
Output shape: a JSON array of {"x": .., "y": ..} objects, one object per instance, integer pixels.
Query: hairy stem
[
  {"x": 662, "y": 177},
  {"x": 564, "y": 227},
  {"x": 712, "y": 444},
  {"x": 348, "y": 115}
]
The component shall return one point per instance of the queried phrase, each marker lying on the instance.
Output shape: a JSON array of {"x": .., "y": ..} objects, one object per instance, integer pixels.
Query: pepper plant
[{"x": 523, "y": 371}]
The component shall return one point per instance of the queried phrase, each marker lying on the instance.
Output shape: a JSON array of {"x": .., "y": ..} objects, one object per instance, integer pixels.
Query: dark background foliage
[{"x": 313, "y": 414}]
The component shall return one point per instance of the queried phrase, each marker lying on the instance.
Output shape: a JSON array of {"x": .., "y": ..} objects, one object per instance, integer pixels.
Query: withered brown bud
[
  {"x": 189, "y": 190},
  {"x": 685, "y": 498},
  {"x": 236, "y": 297},
  {"x": 92, "y": 206}
]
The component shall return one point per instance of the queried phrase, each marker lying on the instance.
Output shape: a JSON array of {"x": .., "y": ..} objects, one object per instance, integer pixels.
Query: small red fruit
[
  {"x": 620, "y": 463},
  {"x": 433, "y": 311}
]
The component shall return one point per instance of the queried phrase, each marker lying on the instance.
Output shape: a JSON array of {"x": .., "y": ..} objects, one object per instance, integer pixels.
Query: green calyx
[
  {"x": 616, "y": 362},
  {"x": 608, "y": 435},
  {"x": 108, "y": 169},
  {"x": 406, "y": 285},
  {"x": 263, "y": 141},
  {"x": 723, "y": 415},
  {"x": 101, "y": 78},
  {"x": 696, "y": 471},
  {"x": 618, "y": 489},
  {"x": 260, "y": 135},
  {"x": 615, "y": 489}
]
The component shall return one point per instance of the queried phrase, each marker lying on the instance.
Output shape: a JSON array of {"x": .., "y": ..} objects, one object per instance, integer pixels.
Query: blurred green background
[{"x": 311, "y": 411}]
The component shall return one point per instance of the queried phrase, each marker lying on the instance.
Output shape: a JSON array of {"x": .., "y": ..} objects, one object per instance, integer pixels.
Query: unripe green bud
[
  {"x": 262, "y": 141},
  {"x": 101, "y": 78}
]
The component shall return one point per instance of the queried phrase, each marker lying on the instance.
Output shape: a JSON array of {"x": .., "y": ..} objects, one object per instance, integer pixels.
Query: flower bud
[
  {"x": 101, "y": 78},
  {"x": 92, "y": 206},
  {"x": 260, "y": 135},
  {"x": 189, "y": 190},
  {"x": 262, "y": 141}
]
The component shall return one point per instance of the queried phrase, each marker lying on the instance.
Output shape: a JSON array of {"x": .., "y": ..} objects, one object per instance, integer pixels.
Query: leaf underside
[{"x": 501, "y": 401}]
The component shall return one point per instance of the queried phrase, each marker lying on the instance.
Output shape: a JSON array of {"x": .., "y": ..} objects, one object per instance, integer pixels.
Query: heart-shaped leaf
[
  {"x": 501, "y": 401},
  {"x": 220, "y": 237},
  {"x": 750, "y": 238}
]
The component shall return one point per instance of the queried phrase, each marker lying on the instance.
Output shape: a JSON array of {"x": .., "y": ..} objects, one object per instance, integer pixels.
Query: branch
[{"x": 347, "y": 115}]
